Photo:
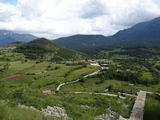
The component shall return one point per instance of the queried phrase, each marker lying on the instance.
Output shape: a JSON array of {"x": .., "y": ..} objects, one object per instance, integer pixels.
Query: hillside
[
  {"x": 82, "y": 43},
  {"x": 44, "y": 49},
  {"x": 145, "y": 34},
  {"x": 9, "y": 37}
]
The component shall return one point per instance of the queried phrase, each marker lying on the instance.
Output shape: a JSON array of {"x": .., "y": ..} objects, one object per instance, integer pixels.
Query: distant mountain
[
  {"x": 145, "y": 34},
  {"x": 82, "y": 43},
  {"x": 9, "y": 37},
  {"x": 44, "y": 49}
]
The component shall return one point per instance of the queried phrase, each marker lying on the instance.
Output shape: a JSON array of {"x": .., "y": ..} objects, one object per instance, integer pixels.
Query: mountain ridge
[
  {"x": 144, "y": 34},
  {"x": 7, "y": 37}
]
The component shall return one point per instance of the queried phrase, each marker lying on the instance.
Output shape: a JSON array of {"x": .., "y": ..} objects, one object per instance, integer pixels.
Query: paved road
[
  {"x": 131, "y": 95},
  {"x": 62, "y": 84},
  {"x": 92, "y": 93}
]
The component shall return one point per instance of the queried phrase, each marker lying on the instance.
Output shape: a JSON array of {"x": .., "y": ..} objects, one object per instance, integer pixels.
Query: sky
[
  {"x": 13, "y": 2},
  {"x": 57, "y": 18}
]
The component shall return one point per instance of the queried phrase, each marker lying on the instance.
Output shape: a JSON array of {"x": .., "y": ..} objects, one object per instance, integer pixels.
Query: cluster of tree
[
  {"x": 158, "y": 67},
  {"x": 120, "y": 75},
  {"x": 136, "y": 52},
  {"x": 133, "y": 77},
  {"x": 50, "y": 68},
  {"x": 44, "y": 49}
]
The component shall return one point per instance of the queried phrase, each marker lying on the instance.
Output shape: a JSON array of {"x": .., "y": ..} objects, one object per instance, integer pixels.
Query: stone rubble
[
  {"x": 50, "y": 111},
  {"x": 104, "y": 117},
  {"x": 110, "y": 116},
  {"x": 56, "y": 112},
  {"x": 122, "y": 118},
  {"x": 125, "y": 106},
  {"x": 85, "y": 106}
]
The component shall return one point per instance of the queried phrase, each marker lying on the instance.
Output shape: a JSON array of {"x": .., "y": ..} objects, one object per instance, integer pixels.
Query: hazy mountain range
[
  {"x": 145, "y": 34},
  {"x": 10, "y": 36}
]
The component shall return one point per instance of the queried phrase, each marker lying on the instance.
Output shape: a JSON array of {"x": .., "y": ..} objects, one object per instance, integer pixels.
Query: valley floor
[{"x": 80, "y": 90}]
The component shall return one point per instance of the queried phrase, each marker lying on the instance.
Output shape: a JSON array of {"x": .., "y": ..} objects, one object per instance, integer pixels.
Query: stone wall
[{"x": 138, "y": 108}]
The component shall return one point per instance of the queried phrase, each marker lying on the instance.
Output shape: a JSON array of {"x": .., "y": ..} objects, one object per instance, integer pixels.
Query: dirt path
[{"x": 62, "y": 84}]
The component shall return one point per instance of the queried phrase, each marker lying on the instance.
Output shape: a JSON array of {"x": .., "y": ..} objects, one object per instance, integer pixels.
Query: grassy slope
[
  {"x": 152, "y": 109},
  {"x": 45, "y": 49},
  {"x": 14, "y": 113},
  {"x": 90, "y": 85},
  {"x": 32, "y": 85}
]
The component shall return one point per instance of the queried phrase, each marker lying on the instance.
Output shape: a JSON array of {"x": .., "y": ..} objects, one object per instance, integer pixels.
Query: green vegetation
[
  {"x": 23, "y": 80},
  {"x": 13, "y": 113},
  {"x": 98, "y": 105},
  {"x": 113, "y": 86},
  {"x": 137, "y": 65},
  {"x": 44, "y": 49},
  {"x": 152, "y": 108},
  {"x": 26, "y": 72}
]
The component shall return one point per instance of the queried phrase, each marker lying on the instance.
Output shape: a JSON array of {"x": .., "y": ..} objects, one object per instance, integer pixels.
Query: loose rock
[{"x": 56, "y": 112}]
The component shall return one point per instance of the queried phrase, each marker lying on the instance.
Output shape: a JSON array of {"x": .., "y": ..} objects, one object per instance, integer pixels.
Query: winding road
[{"x": 62, "y": 84}]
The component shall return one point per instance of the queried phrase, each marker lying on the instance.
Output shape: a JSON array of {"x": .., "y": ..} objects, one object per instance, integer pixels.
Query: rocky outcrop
[
  {"x": 85, "y": 106},
  {"x": 110, "y": 116},
  {"x": 104, "y": 117},
  {"x": 56, "y": 112},
  {"x": 50, "y": 111}
]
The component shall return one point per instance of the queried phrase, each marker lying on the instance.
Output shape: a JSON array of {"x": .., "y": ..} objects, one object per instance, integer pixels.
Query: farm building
[{"x": 46, "y": 91}]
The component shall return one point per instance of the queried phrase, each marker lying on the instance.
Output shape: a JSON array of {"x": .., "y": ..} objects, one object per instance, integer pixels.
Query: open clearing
[{"x": 14, "y": 77}]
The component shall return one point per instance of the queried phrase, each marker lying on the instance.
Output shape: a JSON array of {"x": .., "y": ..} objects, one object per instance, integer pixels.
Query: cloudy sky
[{"x": 56, "y": 18}]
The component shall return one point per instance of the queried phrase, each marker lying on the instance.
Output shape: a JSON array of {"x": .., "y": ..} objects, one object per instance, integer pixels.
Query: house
[
  {"x": 93, "y": 62},
  {"x": 46, "y": 91}
]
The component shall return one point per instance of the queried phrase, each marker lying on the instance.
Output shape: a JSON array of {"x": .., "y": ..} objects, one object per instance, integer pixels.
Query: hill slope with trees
[{"x": 44, "y": 49}]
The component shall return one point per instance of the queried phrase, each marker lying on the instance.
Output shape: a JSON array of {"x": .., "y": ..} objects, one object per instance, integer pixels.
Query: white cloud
[{"x": 52, "y": 18}]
